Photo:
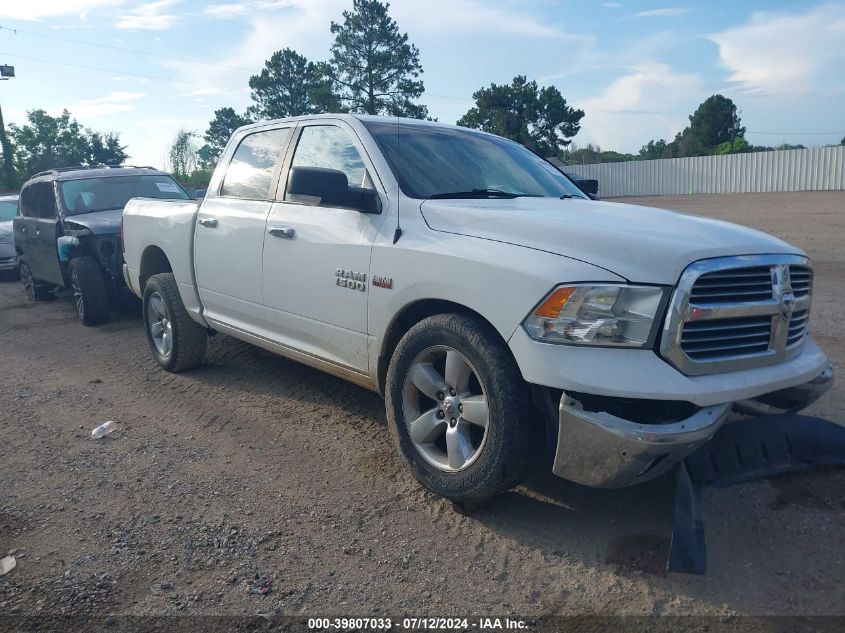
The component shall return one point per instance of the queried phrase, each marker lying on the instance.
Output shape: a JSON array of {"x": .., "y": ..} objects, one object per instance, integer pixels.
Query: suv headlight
[{"x": 606, "y": 315}]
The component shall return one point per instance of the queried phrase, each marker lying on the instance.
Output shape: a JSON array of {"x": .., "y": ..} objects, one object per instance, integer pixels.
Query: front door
[
  {"x": 229, "y": 233},
  {"x": 317, "y": 256}
]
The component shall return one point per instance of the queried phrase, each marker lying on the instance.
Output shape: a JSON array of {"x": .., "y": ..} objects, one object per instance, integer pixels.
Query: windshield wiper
[{"x": 476, "y": 193}]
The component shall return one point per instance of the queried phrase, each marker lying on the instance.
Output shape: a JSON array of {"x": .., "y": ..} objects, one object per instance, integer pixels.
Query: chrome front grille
[
  {"x": 737, "y": 313},
  {"x": 802, "y": 280},
  {"x": 732, "y": 286},
  {"x": 720, "y": 338},
  {"x": 797, "y": 327}
]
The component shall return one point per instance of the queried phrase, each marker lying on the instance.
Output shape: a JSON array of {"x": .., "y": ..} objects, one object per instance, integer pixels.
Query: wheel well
[
  {"x": 153, "y": 262},
  {"x": 409, "y": 316}
]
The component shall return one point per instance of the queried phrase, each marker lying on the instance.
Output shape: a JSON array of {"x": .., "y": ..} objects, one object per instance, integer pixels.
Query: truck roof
[{"x": 350, "y": 118}]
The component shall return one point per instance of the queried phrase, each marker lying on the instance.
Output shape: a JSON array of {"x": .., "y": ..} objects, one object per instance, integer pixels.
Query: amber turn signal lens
[{"x": 551, "y": 307}]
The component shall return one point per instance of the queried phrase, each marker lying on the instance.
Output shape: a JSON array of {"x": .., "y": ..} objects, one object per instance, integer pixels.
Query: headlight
[{"x": 596, "y": 315}]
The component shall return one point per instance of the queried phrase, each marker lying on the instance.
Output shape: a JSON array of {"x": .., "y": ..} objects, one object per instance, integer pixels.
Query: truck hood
[
  {"x": 641, "y": 244},
  {"x": 99, "y": 222},
  {"x": 6, "y": 227}
]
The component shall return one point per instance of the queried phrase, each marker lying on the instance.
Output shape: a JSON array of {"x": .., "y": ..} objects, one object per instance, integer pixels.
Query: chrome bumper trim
[
  {"x": 789, "y": 400},
  {"x": 605, "y": 451}
]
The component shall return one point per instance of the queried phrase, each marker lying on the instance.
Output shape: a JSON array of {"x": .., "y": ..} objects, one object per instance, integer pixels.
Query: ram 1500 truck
[{"x": 499, "y": 311}]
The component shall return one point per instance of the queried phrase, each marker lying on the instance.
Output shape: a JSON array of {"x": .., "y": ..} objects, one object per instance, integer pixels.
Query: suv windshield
[
  {"x": 8, "y": 210},
  {"x": 113, "y": 192},
  {"x": 445, "y": 162}
]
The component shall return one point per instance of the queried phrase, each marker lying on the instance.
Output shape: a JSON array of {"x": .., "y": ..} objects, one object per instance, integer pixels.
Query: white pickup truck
[{"x": 506, "y": 317}]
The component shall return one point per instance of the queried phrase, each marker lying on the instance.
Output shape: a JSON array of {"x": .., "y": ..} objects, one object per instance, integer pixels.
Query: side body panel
[{"x": 168, "y": 226}]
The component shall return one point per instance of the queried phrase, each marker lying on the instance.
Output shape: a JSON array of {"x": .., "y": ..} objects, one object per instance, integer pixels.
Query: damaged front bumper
[{"x": 599, "y": 445}]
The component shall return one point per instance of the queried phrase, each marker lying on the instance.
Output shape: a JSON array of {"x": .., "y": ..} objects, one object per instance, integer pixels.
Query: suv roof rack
[{"x": 59, "y": 170}]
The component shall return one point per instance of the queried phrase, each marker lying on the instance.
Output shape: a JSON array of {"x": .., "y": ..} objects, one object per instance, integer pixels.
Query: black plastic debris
[{"x": 741, "y": 451}]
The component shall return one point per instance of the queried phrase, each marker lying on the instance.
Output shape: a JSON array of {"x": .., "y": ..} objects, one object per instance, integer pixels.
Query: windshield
[
  {"x": 8, "y": 210},
  {"x": 443, "y": 162},
  {"x": 113, "y": 192}
]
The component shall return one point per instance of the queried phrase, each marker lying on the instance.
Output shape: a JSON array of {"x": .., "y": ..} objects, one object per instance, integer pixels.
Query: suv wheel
[
  {"x": 34, "y": 290},
  {"x": 89, "y": 290},
  {"x": 458, "y": 408},
  {"x": 176, "y": 340}
]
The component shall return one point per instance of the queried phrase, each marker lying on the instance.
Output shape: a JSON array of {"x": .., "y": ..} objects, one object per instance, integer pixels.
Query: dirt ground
[{"x": 254, "y": 485}]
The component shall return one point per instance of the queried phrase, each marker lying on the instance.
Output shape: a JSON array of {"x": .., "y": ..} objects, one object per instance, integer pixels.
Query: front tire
[
  {"x": 176, "y": 340},
  {"x": 458, "y": 408},
  {"x": 89, "y": 290}
]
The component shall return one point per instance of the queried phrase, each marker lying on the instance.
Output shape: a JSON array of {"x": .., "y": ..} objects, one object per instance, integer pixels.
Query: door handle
[
  {"x": 208, "y": 222},
  {"x": 284, "y": 232}
]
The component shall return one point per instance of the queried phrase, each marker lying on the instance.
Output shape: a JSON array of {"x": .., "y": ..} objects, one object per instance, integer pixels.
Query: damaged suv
[{"x": 67, "y": 232}]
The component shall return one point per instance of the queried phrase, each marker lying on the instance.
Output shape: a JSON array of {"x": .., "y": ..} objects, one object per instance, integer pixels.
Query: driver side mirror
[{"x": 320, "y": 186}]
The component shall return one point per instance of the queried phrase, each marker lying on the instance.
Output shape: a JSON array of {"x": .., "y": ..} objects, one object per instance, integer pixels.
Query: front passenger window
[{"x": 329, "y": 147}]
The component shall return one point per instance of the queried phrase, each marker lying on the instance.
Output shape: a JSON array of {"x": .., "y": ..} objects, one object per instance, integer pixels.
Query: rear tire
[
  {"x": 34, "y": 290},
  {"x": 89, "y": 290},
  {"x": 176, "y": 340},
  {"x": 471, "y": 438}
]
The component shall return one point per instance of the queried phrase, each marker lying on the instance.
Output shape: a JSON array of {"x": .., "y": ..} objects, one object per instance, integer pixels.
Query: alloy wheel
[
  {"x": 161, "y": 329},
  {"x": 77, "y": 294},
  {"x": 445, "y": 408},
  {"x": 28, "y": 282}
]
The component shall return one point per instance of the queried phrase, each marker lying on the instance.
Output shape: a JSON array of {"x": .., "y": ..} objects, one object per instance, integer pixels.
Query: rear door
[
  {"x": 229, "y": 234},
  {"x": 40, "y": 224}
]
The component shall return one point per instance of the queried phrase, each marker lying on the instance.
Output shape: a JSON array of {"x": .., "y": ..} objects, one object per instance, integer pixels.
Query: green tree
[
  {"x": 842, "y": 142},
  {"x": 715, "y": 121},
  {"x": 8, "y": 175},
  {"x": 183, "y": 156},
  {"x": 656, "y": 149},
  {"x": 290, "y": 85},
  {"x": 738, "y": 146},
  {"x": 220, "y": 130},
  {"x": 538, "y": 118},
  {"x": 46, "y": 142},
  {"x": 374, "y": 68}
]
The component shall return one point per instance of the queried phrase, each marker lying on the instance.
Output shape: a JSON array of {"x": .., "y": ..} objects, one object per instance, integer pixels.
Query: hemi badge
[{"x": 382, "y": 282}]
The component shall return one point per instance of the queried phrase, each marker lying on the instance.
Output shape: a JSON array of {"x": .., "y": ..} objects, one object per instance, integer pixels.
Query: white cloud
[
  {"x": 611, "y": 5},
  {"x": 114, "y": 102},
  {"x": 781, "y": 53},
  {"x": 475, "y": 16},
  {"x": 304, "y": 26},
  {"x": 40, "y": 9},
  {"x": 623, "y": 116},
  {"x": 662, "y": 13},
  {"x": 151, "y": 16}
]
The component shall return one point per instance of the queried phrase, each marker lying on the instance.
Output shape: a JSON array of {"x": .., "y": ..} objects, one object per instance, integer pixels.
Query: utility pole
[{"x": 8, "y": 177}]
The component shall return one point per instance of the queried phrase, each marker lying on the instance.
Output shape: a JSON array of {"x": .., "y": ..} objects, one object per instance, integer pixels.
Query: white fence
[{"x": 821, "y": 168}]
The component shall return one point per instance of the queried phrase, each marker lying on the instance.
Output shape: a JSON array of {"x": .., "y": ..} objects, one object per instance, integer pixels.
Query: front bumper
[{"x": 599, "y": 449}]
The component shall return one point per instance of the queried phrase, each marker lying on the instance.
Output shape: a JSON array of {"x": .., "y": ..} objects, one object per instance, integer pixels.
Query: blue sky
[{"x": 637, "y": 68}]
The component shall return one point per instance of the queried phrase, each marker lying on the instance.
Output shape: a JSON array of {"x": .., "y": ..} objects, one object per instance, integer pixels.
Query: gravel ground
[{"x": 254, "y": 485}]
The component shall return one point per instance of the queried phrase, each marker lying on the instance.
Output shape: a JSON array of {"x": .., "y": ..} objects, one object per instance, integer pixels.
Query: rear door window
[{"x": 250, "y": 173}]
